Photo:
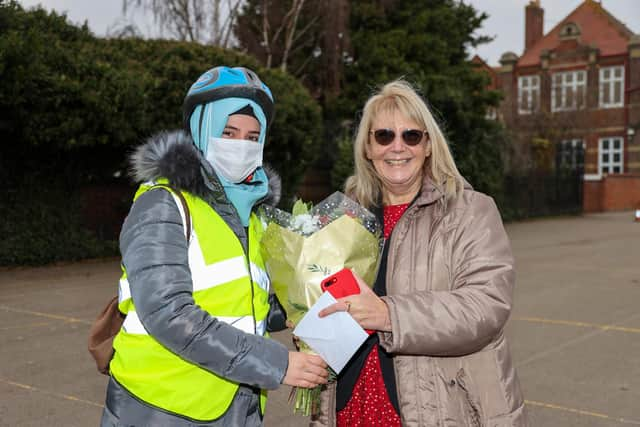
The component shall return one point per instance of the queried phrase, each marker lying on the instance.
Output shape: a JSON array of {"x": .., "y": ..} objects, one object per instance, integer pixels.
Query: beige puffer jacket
[{"x": 450, "y": 279}]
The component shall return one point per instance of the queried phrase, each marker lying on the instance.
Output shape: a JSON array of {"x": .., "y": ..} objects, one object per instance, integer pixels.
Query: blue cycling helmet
[{"x": 225, "y": 82}]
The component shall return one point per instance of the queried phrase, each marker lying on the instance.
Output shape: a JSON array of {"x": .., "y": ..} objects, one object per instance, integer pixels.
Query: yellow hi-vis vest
[{"x": 223, "y": 277}]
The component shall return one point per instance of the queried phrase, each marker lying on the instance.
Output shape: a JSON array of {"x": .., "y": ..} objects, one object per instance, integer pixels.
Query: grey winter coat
[
  {"x": 450, "y": 278},
  {"x": 154, "y": 252}
]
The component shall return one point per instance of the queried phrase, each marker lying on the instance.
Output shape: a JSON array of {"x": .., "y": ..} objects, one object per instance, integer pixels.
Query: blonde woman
[{"x": 444, "y": 291}]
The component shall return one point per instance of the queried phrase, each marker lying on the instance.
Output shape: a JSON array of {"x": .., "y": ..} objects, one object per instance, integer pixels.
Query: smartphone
[{"x": 342, "y": 284}]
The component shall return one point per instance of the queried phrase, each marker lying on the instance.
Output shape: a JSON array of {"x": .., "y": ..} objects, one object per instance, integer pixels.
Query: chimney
[{"x": 533, "y": 25}]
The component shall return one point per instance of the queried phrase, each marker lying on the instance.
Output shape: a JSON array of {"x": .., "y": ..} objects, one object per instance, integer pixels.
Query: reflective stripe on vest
[
  {"x": 209, "y": 276},
  {"x": 133, "y": 325},
  {"x": 230, "y": 285}
]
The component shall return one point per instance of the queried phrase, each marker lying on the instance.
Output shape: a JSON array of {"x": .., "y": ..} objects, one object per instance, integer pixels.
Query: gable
[{"x": 596, "y": 26}]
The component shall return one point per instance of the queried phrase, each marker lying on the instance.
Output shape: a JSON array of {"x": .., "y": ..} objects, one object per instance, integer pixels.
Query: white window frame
[
  {"x": 528, "y": 86},
  {"x": 574, "y": 143},
  {"x": 569, "y": 82},
  {"x": 608, "y": 85},
  {"x": 607, "y": 166}
]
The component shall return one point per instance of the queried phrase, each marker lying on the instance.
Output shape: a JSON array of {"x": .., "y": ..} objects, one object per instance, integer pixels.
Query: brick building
[{"x": 572, "y": 100}]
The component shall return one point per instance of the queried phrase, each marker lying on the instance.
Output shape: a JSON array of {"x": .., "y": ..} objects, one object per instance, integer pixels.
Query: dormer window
[{"x": 570, "y": 31}]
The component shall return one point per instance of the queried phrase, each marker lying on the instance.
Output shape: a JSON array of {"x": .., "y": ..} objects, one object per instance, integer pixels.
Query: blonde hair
[{"x": 399, "y": 96}]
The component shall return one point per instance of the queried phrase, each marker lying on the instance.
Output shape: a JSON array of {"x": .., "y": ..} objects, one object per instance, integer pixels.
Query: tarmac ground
[{"x": 574, "y": 332}]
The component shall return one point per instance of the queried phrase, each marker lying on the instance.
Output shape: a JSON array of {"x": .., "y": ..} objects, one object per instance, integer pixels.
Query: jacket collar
[{"x": 432, "y": 192}]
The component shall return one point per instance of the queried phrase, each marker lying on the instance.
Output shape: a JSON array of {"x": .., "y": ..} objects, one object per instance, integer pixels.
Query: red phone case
[{"x": 342, "y": 284}]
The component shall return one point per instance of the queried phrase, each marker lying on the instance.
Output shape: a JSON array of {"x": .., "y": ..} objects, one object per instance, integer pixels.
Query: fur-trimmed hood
[{"x": 172, "y": 155}]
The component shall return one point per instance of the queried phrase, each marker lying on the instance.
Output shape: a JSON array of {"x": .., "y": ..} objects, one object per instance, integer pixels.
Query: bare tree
[
  {"x": 123, "y": 29},
  {"x": 290, "y": 30},
  {"x": 308, "y": 39},
  {"x": 205, "y": 21},
  {"x": 277, "y": 22},
  {"x": 286, "y": 29},
  {"x": 222, "y": 28}
]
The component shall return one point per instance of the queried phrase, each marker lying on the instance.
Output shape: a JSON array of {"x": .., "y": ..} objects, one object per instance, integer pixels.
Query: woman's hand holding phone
[{"x": 356, "y": 298}]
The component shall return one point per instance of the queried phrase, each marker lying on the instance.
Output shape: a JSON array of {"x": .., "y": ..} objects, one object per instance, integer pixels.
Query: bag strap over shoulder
[{"x": 183, "y": 202}]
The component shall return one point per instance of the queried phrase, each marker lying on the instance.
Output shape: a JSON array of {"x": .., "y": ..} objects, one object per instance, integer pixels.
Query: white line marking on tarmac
[
  {"x": 581, "y": 412},
  {"x": 579, "y": 324},
  {"x": 50, "y": 393},
  {"x": 47, "y": 315},
  {"x": 28, "y": 325},
  {"x": 578, "y": 339},
  {"x": 7, "y": 296}
]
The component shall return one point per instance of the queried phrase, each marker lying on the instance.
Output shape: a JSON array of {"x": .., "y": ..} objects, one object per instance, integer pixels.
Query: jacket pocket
[
  {"x": 470, "y": 404},
  {"x": 459, "y": 403}
]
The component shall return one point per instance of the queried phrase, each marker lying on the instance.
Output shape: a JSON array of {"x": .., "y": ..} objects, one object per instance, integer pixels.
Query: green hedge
[
  {"x": 72, "y": 106},
  {"x": 40, "y": 227}
]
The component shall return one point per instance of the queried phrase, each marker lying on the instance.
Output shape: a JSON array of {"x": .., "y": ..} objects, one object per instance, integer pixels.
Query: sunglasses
[{"x": 409, "y": 136}]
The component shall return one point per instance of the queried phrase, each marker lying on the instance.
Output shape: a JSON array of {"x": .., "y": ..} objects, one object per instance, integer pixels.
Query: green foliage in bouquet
[{"x": 301, "y": 208}]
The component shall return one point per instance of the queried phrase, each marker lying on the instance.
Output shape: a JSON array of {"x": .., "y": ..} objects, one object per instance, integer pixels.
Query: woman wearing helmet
[{"x": 192, "y": 349}]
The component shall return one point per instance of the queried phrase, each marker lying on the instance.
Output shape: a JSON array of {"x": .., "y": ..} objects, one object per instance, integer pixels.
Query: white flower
[{"x": 305, "y": 224}]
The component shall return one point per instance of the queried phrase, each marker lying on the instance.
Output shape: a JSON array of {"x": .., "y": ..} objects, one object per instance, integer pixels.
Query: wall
[
  {"x": 612, "y": 193},
  {"x": 592, "y": 196}
]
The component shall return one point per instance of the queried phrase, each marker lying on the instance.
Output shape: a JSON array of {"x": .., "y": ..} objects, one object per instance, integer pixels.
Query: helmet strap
[{"x": 200, "y": 122}]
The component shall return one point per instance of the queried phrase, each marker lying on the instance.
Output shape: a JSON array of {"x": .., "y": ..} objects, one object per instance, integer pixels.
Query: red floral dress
[{"x": 370, "y": 405}]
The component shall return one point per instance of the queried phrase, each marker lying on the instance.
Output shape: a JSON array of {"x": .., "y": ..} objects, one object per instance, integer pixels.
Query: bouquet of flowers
[{"x": 302, "y": 248}]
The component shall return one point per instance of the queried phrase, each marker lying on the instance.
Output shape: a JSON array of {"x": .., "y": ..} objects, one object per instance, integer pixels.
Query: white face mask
[{"x": 234, "y": 159}]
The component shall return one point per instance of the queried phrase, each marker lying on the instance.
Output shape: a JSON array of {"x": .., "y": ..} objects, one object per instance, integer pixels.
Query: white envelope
[{"x": 335, "y": 337}]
